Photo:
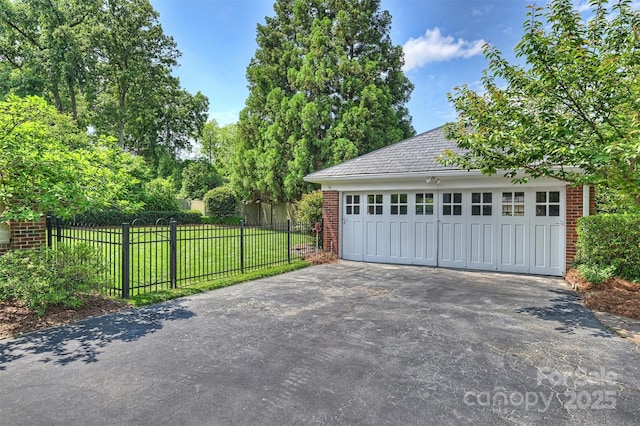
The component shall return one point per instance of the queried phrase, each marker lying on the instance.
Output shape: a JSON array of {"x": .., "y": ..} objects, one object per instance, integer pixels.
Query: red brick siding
[
  {"x": 331, "y": 219},
  {"x": 25, "y": 235},
  {"x": 574, "y": 212}
]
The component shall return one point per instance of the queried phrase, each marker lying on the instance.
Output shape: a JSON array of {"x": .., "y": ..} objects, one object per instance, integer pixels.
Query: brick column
[
  {"x": 26, "y": 235},
  {"x": 574, "y": 212},
  {"x": 331, "y": 220}
]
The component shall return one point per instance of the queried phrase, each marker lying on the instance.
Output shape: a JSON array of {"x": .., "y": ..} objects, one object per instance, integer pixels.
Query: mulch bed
[
  {"x": 616, "y": 296},
  {"x": 16, "y": 319}
]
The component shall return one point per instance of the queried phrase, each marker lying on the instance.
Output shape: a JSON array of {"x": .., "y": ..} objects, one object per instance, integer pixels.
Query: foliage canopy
[
  {"x": 325, "y": 86},
  {"x": 572, "y": 112}
]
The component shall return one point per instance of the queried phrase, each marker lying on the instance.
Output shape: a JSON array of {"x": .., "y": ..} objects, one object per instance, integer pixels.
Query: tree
[
  {"x": 198, "y": 177},
  {"x": 325, "y": 85},
  {"x": 218, "y": 145},
  {"x": 108, "y": 63},
  {"x": 48, "y": 165},
  {"x": 572, "y": 112}
]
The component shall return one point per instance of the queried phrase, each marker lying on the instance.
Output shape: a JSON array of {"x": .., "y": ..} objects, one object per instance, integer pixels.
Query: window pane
[
  {"x": 541, "y": 210},
  {"x": 541, "y": 197},
  {"x": 419, "y": 198},
  {"x": 446, "y": 197},
  {"x": 378, "y": 209},
  {"x": 475, "y": 197},
  {"x": 403, "y": 198},
  {"x": 554, "y": 197},
  {"x": 519, "y": 209},
  {"x": 403, "y": 209},
  {"x": 507, "y": 197},
  {"x": 394, "y": 198},
  {"x": 429, "y": 198},
  {"x": 457, "y": 210},
  {"x": 506, "y": 210},
  {"x": 486, "y": 197},
  {"x": 429, "y": 209},
  {"x": 370, "y": 198},
  {"x": 356, "y": 199},
  {"x": 519, "y": 197},
  {"x": 394, "y": 209},
  {"x": 356, "y": 209},
  {"x": 379, "y": 199},
  {"x": 554, "y": 210},
  {"x": 457, "y": 197},
  {"x": 349, "y": 199},
  {"x": 446, "y": 210},
  {"x": 475, "y": 210},
  {"x": 486, "y": 210},
  {"x": 348, "y": 209},
  {"x": 370, "y": 210},
  {"x": 419, "y": 209}
]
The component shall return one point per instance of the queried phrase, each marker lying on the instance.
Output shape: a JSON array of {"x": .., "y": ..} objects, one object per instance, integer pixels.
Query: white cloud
[
  {"x": 434, "y": 47},
  {"x": 582, "y": 6},
  {"x": 225, "y": 117}
]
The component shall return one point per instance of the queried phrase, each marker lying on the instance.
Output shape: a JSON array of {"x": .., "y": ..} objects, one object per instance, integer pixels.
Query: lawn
[{"x": 203, "y": 252}]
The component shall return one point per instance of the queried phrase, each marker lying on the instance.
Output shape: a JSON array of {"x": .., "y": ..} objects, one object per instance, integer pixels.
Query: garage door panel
[
  {"x": 513, "y": 245},
  {"x": 352, "y": 240},
  {"x": 556, "y": 232},
  {"x": 399, "y": 240},
  {"x": 425, "y": 243},
  {"x": 452, "y": 250}
]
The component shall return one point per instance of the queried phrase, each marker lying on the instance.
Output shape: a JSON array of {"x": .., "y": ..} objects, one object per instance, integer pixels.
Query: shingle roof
[{"x": 414, "y": 155}]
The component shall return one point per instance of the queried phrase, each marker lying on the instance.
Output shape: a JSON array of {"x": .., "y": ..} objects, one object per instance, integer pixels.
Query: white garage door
[{"x": 502, "y": 229}]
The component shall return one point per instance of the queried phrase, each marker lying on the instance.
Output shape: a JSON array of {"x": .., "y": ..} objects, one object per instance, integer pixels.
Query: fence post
[
  {"x": 58, "y": 229},
  {"x": 49, "y": 231},
  {"x": 242, "y": 246},
  {"x": 173, "y": 250},
  {"x": 125, "y": 260},
  {"x": 289, "y": 240}
]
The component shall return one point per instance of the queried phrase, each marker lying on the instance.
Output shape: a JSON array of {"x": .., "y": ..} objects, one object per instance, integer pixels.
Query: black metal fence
[{"x": 142, "y": 259}]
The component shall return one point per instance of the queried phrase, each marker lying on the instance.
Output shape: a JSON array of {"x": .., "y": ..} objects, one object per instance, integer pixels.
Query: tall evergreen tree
[{"x": 325, "y": 85}]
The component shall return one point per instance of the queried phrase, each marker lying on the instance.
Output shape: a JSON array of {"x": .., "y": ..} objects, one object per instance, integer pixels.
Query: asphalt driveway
[{"x": 346, "y": 343}]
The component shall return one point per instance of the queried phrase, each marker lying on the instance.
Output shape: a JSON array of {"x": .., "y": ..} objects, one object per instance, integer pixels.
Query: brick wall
[
  {"x": 574, "y": 212},
  {"x": 331, "y": 219},
  {"x": 25, "y": 235}
]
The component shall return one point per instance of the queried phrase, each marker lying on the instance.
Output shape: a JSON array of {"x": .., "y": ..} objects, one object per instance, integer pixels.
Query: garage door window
[
  {"x": 513, "y": 204},
  {"x": 424, "y": 204},
  {"x": 353, "y": 204},
  {"x": 481, "y": 203},
  {"x": 374, "y": 202},
  {"x": 452, "y": 203},
  {"x": 399, "y": 204},
  {"x": 548, "y": 203}
]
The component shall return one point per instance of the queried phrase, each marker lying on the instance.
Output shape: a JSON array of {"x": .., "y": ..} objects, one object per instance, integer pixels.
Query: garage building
[{"x": 399, "y": 205}]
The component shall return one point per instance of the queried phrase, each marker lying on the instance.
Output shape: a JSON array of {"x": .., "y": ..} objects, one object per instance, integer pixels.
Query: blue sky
[{"x": 442, "y": 41}]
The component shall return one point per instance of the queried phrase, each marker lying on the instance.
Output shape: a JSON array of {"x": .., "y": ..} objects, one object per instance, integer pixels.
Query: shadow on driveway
[
  {"x": 83, "y": 341},
  {"x": 567, "y": 310}
]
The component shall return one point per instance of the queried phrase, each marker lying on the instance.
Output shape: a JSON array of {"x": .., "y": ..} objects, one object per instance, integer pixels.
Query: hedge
[
  {"x": 611, "y": 240},
  {"x": 114, "y": 217}
]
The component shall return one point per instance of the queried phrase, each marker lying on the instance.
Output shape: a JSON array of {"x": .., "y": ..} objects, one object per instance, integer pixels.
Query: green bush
[
  {"x": 309, "y": 208},
  {"x": 610, "y": 240},
  {"x": 160, "y": 195},
  {"x": 116, "y": 218},
  {"x": 233, "y": 220},
  {"x": 221, "y": 202},
  {"x": 596, "y": 274},
  {"x": 43, "y": 277}
]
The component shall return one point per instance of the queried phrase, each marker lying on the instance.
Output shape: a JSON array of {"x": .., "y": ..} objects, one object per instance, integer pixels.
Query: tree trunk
[{"x": 72, "y": 96}]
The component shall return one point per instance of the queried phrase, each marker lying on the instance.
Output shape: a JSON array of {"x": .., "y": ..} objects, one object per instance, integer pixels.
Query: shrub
[
  {"x": 596, "y": 274},
  {"x": 116, "y": 218},
  {"x": 221, "y": 202},
  {"x": 160, "y": 195},
  {"x": 309, "y": 208},
  {"x": 610, "y": 240},
  {"x": 43, "y": 277},
  {"x": 197, "y": 178},
  {"x": 233, "y": 220}
]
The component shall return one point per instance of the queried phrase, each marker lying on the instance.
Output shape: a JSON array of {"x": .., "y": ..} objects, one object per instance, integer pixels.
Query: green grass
[
  {"x": 169, "y": 294},
  {"x": 203, "y": 253}
]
